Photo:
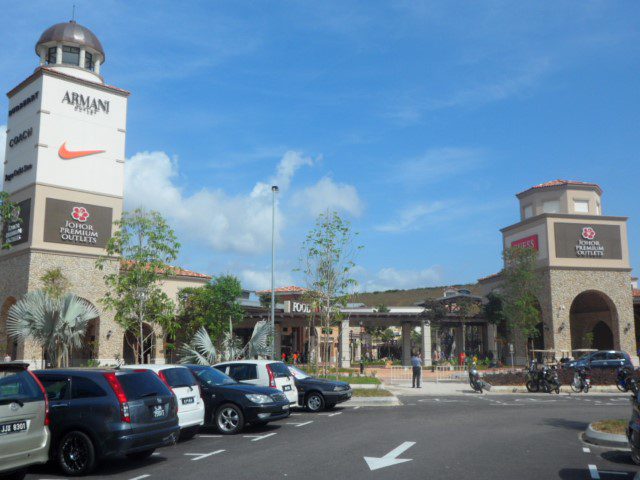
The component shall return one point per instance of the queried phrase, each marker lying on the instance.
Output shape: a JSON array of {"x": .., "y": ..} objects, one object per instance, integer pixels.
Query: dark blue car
[{"x": 602, "y": 359}]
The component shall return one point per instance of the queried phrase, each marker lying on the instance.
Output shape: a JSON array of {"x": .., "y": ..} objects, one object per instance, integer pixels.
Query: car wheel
[
  {"x": 188, "y": 433},
  {"x": 314, "y": 402},
  {"x": 143, "y": 455},
  {"x": 229, "y": 419},
  {"x": 76, "y": 454}
]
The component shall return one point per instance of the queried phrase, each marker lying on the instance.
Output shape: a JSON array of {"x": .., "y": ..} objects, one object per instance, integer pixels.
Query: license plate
[
  {"x": 286, "y": 388},
  {"x": 13, "y": 427},
  {"x": 158, "y": 411},
  {"x": 188, "y": 400}
]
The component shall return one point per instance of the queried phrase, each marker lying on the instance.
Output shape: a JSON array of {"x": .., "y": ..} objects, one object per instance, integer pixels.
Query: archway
[
  {"x": 131, "y": 347},
  {"x": 593, "y": 320},
  {"x": 81, "y": 357},
  {"x": 8, "y": 346}
]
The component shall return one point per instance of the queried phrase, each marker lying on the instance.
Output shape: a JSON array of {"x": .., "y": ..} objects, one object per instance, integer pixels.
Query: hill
[{"x": 404, "y": 298}]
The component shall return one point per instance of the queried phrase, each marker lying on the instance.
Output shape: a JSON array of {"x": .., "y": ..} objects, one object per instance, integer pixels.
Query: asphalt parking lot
[{"x": 464, "y": 436}]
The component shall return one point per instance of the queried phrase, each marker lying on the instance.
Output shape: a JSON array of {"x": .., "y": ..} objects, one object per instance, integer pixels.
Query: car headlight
[
  {"x": 258, "y": 398},
  {"x": 339, "y": 388}
]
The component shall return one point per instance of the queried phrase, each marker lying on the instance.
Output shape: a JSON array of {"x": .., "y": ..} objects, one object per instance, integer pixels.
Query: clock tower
[{"x": 64, "y": 168}]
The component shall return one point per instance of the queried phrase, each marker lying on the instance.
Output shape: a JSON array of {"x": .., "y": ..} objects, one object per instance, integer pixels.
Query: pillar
[
  {"x": 492, "y": 344},
  {"x": 425, "y": 328},
  {"x": 277, "y": 341},
  {"x": 358, "y": 352},
  {"x": 58, "y": 55},
  {"x": 406, "y": 344},
  {"x": 344, "y": 349}
]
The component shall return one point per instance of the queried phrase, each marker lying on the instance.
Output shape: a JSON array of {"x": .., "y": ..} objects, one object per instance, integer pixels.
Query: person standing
[{"x": 416, "y": 364}]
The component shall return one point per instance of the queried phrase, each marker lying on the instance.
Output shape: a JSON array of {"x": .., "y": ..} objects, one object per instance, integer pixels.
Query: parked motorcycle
[
  {"x": 550, "y": 381},
  {"x": 581, "y": 380},
  {"x": 626, "y": 380},
  {"x": 633, "y": 430},
  {"x": 532, "y": 378},
  {"x": 474, "y": 380}
]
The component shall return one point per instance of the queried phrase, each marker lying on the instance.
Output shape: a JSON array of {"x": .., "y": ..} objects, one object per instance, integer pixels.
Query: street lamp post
[{"x": 274, "y": 190}]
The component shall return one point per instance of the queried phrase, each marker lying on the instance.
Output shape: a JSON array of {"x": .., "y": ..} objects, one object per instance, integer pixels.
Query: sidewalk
[{"x": 459, "y": 388}]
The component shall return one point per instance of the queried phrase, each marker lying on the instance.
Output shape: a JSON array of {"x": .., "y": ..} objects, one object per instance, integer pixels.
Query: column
[
  {"x": 58, "y": 54},
  {"x": 277, "y": 341},
  {"x": 425, "y": 328},
  {"x": 344, "y": 350},
  {"x": 82, "y": 64},
  {"x": 406, "y": 344},
  {"x": 97, "y": 66},
  {"x": 492, "y": 345},
  {"x": 358, "y": 352}
]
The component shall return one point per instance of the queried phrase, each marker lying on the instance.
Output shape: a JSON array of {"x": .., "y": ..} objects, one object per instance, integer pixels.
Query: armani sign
[{"x": 85, "y": 103}]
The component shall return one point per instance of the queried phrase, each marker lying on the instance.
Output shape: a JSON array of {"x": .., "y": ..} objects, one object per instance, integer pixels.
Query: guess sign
[{"x": 527, "y": 242}]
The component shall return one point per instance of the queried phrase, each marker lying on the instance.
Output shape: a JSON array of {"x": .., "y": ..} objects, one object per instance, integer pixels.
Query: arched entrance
[
  {"x": 593, "y": 320},
  {"x": 8, "y": 346},
  {"x": 83, "y": 356},
  {"x": 131, "y": 346}
]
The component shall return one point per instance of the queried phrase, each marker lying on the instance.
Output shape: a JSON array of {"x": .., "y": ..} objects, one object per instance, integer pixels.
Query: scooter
[
  {"x": 532, "y": 379},
  {"x": 474, "y": 380},
  {"x": 581, "y": 380},
  {"x": 625, "y": 380}
]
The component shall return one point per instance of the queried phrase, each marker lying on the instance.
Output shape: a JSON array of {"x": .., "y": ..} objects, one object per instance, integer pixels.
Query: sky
[{"x": 416, "y": 121}]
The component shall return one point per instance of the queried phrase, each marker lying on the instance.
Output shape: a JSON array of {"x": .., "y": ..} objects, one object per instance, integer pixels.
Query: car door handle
[{"x": 58, "y": 405}]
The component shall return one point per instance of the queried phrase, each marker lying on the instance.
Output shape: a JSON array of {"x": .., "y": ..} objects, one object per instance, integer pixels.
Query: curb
[
  {"x": 374, "y": 401},
  {"x": 366, "y": 386},
  {"x": 605, "y": 439}
]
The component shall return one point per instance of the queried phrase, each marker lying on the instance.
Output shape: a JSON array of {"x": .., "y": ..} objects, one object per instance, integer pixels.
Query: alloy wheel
[
  {"x": 75, "y": 453},
  {"x": 228, "y": 419}
]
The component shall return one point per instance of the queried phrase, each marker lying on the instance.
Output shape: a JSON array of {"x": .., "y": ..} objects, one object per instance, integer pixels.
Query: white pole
[{"x": 274, "y": 190}]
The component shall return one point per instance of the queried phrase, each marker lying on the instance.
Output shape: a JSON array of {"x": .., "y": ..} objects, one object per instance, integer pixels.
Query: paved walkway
[{"x": 459, "y": 388}]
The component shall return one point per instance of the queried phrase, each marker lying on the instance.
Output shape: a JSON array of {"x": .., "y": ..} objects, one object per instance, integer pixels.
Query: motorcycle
[
  {"x": 475, "y": 382},
  {"x": 581, "y": 380},
  {"x": 625, "y": 380},
  {"x": 532, "y": 378},
  {"x": 633, "y": 430},
  {"x": 550, "y": 381}
]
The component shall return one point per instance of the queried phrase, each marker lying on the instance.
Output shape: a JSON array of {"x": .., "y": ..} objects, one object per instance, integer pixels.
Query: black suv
[
  {"x": 230, "y": 404},
  {"x": 96, "y": 413}
]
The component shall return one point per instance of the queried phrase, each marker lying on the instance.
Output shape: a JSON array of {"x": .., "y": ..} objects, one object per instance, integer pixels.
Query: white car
[
  {"x": 264, "y": 373},
  {"x": 185, "y": 387}
]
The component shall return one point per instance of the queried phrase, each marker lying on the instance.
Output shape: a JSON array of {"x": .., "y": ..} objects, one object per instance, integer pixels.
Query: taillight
[
  {"x": 116, "y": 386},
  {"x": 47, "y": 420},
  {"x": 163, "y": 377},
  {"x": 272, "y": 378}
]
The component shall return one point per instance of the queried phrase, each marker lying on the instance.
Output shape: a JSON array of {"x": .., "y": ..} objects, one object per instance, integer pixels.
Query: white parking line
[
  {"x": 140, "y": 477},
  {"x": 209, "y": 436},
  {"x": 356, "y": 408},
  {"x": 300, "y": 424},
  {"x": 257, "y": 438},
  {"x": 586, "y": 450},
  {"x": 331, "y": 414},
  {"x": 200, "y": 456},
  {"x": 594, "y": 472}
]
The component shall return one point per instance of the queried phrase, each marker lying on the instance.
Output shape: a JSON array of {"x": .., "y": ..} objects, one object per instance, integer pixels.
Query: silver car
[{"x": 24, "y": 416}]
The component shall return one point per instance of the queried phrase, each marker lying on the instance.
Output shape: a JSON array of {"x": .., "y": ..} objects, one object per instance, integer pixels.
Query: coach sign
[
  {"x": 577, "y": 240},
  {"x": 77, "y": 223}
]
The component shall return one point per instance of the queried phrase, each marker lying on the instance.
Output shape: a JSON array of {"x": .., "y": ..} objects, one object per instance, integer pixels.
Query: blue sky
[{"x": 418, "y": 121}]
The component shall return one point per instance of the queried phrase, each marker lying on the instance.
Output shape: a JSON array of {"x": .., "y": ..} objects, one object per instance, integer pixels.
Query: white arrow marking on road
[
  {"x": 390, "y": 458},
  {"x": 300, "y": 424},
  {"x": 200, "y": 456},
  {"x": 257, "y": 438}
]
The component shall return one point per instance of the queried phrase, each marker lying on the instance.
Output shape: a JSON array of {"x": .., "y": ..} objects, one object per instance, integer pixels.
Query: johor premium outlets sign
[
  {"x": 17, "y": 229},
  {"x": 86, "y": 103},
  {"x": 576, "y": 240},
  {"x": 77, "y": 223},
  {"x": 527, "y": 242}
]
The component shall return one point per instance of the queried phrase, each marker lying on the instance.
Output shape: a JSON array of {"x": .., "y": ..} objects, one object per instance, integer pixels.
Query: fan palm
[{"x": 57, "y": 325}]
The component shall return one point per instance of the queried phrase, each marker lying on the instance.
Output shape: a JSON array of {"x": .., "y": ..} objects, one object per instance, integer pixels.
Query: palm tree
[
  {"x": 58, "y": 325},
  {"x": 202, "y": 351}
]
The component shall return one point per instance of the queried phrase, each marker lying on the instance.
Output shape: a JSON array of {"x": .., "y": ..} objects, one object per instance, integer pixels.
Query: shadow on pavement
[
  {"x": 566, "y": 424},
  {"x": 617, "y": 456},
  {"x": 574, "y": 474},
  {"x": 110, "y": 466}
]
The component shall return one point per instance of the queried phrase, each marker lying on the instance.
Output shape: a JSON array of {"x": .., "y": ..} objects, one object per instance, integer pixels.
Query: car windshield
[
  {"x": 212, "y": 377},
  {"x": 179, "y": 377},
  {"x": 279, "y": 369},
  {"x": 18, "y": 385},
  {"x": 296, "y": 372}
]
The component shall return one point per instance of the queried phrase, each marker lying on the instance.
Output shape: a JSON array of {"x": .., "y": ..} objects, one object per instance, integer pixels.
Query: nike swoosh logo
[{"x": 70, "y": 155}]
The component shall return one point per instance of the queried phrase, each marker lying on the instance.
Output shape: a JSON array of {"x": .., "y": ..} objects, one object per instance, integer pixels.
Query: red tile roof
[
  {"x": 558, "y": 183},
  {"x": 173, "y": 271},
  {"x": 290, "y": 289},
  {"x": 636, "y": 292}
]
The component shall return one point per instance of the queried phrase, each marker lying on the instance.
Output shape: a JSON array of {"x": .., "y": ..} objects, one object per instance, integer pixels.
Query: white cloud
[
  {"x": 261, "y": 279},
  {"x": 411, "y": 216},
  {"x": 329, "y": 195},
  {"x": 3, "y": 143},
  {"x": 232, "y": 223},
  {"x": 392, "y": 278}
]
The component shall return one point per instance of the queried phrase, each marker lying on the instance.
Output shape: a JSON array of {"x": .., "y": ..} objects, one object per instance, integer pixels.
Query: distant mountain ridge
[{"x": 406, "y": 298}]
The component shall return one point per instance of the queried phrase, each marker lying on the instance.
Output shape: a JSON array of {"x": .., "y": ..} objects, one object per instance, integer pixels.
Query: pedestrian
[
  {"x": 7, "y": 358},
  {"x": 463, "y": 357},
  {"x": 416, "y": 363},
  {"x": 295, "y": 358},
  {"x": 284, "y": 357}
]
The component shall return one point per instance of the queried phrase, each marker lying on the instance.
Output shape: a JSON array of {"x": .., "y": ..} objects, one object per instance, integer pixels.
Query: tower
[{"x": 64, "y": 167}]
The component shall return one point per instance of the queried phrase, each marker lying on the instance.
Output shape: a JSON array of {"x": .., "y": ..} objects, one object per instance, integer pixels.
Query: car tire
[
  {"x": 314, "y": 402},
  {"x": 188, "y": 433},
  {"x": 76, "y": 454},
  {"x": 229, "y": 419},
  {"x": 143, "y": 455},
  {"x": 15, "y": 475}
]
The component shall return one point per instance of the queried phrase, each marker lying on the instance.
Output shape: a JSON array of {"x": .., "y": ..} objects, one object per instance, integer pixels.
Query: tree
[
  {"x": 146, "y": 246},
  {"x": 58, "y": 325},
  {"x": 433, "y": 309},
  {"x": 54, "y": 282},
  {"x": 327, "y": 261},
  {"x": 265, "y": 300},
  {"x": 9, "y": 212},
  {"x": 521, "y": 286},
  {"x": 214, "y": 306},
  {"x": 382, "y": 308},
  {"x": 493, "y": 309}
]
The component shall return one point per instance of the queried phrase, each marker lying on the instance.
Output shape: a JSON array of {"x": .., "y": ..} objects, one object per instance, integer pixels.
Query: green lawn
[
  {"x": 373, "y": 392},
  {"x": 617, "y": 427}
]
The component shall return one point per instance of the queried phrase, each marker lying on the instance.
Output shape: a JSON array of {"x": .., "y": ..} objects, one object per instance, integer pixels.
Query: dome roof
[{"x": 71, "y": 32}]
